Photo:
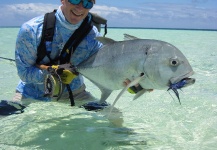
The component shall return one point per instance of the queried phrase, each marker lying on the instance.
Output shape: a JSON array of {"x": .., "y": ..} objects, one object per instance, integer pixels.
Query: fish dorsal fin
[
  {"x": 105, "y": 40},
  {"x": 130, "y": 37}
]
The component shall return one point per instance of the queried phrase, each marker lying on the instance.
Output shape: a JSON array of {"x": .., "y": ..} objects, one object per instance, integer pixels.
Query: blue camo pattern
[{"x": 31, "y": 84}]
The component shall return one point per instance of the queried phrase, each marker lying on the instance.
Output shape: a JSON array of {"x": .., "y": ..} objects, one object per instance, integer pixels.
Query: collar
[{"x": 63, "y": 21}]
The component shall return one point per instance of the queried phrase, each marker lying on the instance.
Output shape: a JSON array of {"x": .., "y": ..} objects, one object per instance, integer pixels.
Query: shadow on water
[{"x": 80, "y": 130}]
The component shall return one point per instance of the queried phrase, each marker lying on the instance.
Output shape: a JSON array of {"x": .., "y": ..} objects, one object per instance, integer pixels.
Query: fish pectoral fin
[
  {"x": 119, "y": 95},
  {"x": 140, "y": 93},
  {"x": 132, "y": 83}
]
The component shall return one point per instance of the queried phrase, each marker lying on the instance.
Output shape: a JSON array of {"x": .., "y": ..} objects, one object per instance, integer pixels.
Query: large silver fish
[{"x": 153, "y": 64}]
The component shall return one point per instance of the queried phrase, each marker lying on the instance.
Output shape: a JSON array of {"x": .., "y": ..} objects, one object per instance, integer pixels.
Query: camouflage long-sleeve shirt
[{"x": 32, "y": 78}]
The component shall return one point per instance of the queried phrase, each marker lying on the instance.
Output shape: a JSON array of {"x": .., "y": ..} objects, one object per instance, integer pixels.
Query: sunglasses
[{"x": 86, "y": 4}]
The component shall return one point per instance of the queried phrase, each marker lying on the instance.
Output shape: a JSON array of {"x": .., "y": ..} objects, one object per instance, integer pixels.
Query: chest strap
[{"x": 72, "y": 43}]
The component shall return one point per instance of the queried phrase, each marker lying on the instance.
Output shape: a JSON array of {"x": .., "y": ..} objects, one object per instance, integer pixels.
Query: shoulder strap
[
  {"x": 72, "y": 43},
  {"x": 75, "y": 40},
  {"x": 47, "y": 34}
]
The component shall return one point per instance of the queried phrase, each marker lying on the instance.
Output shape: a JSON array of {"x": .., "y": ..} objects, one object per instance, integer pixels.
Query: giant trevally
[{"x": 153, "y": 64}]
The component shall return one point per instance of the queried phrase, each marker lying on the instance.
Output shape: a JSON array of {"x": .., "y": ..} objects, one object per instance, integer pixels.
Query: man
[{"x": 69, "y": 17}]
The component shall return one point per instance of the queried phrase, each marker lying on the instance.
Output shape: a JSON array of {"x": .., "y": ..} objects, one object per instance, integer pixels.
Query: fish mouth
[
  {"x": 180, "y": 82},
  {"x": 184, "y": 82},
  {"x": 189, "y": 81},
  {"x": 179, "y": 78}
]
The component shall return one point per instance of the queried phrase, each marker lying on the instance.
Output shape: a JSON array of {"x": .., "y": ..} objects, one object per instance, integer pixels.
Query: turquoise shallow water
[{"x": 154, "y": 121}]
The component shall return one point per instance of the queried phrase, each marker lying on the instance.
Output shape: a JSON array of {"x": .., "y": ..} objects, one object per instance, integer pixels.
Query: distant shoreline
[{"x": 137, "y": 28}]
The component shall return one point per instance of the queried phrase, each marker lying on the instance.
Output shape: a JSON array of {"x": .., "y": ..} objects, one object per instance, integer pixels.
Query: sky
[{"x": 191, "y": 14}]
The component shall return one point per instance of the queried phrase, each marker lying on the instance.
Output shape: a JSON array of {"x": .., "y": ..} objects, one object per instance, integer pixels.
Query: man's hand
[
  {"x": 65, "y": 71},
  {"x": 134, "y": 89},
  {"x": 67, "y": 76}
]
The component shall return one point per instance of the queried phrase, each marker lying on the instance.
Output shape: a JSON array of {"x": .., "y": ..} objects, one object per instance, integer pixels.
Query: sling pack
[{"x": 74, "y": 40}]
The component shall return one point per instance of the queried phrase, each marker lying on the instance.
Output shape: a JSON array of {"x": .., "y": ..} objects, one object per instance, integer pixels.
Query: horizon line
[{"x": 157, "y": 28}]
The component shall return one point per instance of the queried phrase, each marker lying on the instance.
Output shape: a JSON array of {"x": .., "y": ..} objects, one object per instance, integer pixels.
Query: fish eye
[{"x": 174, "y": 62}]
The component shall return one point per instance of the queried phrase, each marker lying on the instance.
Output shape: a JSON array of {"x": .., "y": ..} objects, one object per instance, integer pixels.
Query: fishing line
[
  {"x": 12, "y": 61},
  {"x": 7, "y": 59}
]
